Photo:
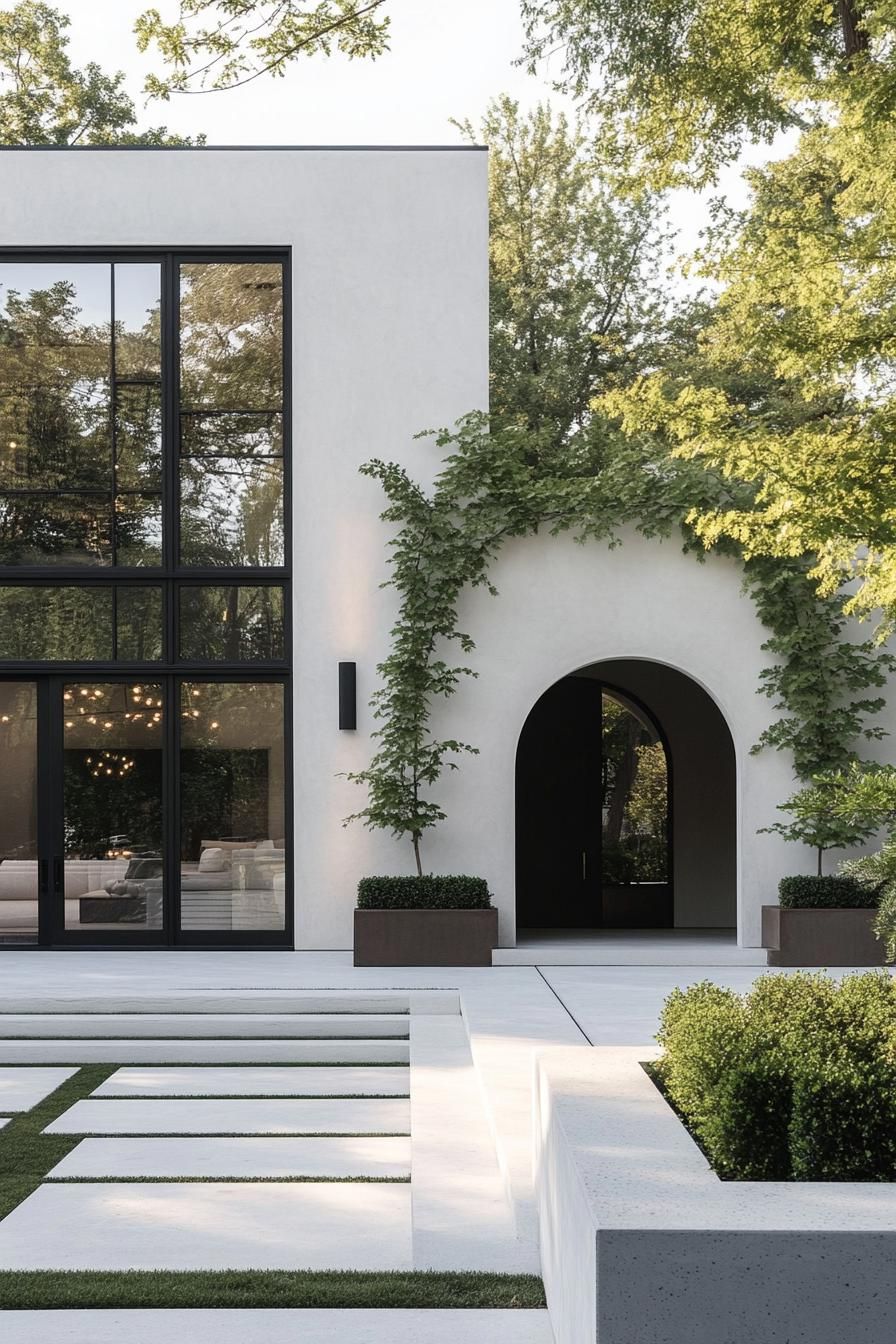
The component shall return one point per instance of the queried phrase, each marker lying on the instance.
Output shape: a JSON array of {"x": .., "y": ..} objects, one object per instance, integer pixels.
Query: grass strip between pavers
[
  {"x": 44, "y": 1289},
  {"x": 26, "y": 1154}
]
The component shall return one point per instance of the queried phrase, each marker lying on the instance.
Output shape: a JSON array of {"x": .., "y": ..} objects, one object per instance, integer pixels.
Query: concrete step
[
  {"x": 250, "y": 1050},
  {"x": 429, "y": 1001},
  {"x": 156, "y": 1025}
]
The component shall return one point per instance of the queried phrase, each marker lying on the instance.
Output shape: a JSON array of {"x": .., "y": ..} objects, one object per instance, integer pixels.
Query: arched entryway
[{"x": 625, "y": 803}]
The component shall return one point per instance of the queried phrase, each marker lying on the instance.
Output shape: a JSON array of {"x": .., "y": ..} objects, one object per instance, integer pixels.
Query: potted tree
[
  {"x": 423, "y": 919},
  {"x": 828, "y": 919}
]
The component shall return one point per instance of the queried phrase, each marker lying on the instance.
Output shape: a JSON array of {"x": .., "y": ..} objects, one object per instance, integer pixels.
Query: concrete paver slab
[
  {"x": 203, "y": 1024},
  {"x": 329, "y": 1225},
  {"x": 377, "y": 1157},
  {"x": 211, "y": 1115},
  {"x": 206, "y": 1051},
  {"x": 20, "y": 1089},
  {"x": 279, "y": 1327},
  {"x": 257, "y": 1082}
]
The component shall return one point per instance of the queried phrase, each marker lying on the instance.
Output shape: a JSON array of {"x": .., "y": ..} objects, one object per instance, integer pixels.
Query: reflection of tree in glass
[
  {"x": 54, "y": 392},
  {"x": 231, "y": 333},
  {"x": 231, "y": 427},
  {"x": 54, "y": 425},
  {"x": 232, "y": 511},
  {"x": 232, "y": 624},
  {"x": 67, "y": 623},
  {"x": 634, "y": 791}
]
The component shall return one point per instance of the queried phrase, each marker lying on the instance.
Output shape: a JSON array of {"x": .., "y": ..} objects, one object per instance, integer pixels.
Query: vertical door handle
[
  {"x": 57, "y": 874},
  {"x": 584, "y": 865},
  {"x": 43, "y": 876}
]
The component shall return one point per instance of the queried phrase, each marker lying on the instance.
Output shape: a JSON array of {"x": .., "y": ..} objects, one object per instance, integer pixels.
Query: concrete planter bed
[
  {"x": 643, "y": 1244},
  {"x": 425, "y": 937},
  {"x": 820, "y": 937}
]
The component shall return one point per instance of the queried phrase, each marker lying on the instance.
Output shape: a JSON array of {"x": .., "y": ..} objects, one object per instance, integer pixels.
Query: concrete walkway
[{"x": 470, "y": 1199}]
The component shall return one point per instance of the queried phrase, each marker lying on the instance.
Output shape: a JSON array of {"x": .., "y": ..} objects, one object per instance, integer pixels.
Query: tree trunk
[
  {"x": 820, "y": 857},
  {"x": 416, "y": 842},
  {"x": 855, "y": 39}
]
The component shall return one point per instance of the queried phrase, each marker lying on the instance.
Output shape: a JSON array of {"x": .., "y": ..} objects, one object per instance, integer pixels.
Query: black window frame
[{"x": 171, "y": 576}]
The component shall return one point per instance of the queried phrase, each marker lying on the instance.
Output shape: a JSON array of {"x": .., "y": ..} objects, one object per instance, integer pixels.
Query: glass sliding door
[
  {"x": 233, "y": 847},
  {"x": 19, "y": 873},
  {"x": 112, "y": 783}
]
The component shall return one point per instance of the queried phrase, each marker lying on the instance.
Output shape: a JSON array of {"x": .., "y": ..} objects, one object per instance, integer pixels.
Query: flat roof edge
[{"x": 205, "y": 149}]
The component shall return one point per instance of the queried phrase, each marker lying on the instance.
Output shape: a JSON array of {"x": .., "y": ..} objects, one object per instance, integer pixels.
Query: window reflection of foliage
[
  {"x": 231, "y": 624},
  {"x": 54, "y": 385},
  {"x": 63, "y": 624},
  {"x": 634, "y": 790},
  {"x": 231, "y": 322},
  {"x": 55, "y": 429},
  {"x": 231, "y": 319}
]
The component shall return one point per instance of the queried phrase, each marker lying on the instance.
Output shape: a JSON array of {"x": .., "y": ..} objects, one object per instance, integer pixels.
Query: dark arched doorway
[{"x": 625, "y": 803}]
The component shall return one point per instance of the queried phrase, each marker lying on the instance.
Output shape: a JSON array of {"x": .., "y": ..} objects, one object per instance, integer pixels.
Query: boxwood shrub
[
  {"x": 794, "y": 1081},
  {"x": 831, "y": 892},
  {"x": 423, "y": 893}
]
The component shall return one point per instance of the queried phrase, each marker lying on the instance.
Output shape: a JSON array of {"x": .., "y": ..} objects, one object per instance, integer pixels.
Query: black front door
[
  {"x": 592, "y": 812},
  {"x": 558, "y": 809}
]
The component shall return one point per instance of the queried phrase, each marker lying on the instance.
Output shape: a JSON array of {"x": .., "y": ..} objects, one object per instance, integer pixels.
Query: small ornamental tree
[{"x": 840, "y": 808}]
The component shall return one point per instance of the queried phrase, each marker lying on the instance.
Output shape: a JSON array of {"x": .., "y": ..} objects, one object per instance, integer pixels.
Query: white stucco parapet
[{"x": 643, "y": 1244}]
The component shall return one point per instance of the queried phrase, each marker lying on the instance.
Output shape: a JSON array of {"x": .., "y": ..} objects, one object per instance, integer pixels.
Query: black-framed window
[
  {"x": 145, "y": 543},
  {"x": 143, "y": 432}
]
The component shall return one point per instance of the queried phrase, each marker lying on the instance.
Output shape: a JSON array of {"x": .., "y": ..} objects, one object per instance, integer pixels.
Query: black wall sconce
[{"x": 348, "y": 703}]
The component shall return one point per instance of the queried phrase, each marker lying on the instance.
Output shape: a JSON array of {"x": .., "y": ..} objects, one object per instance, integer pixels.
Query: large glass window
[
  {"x": 112, "y": 805},
  {"x": 231, "y": 414},
  {"x": 233, "y": 814},
  {"x": 76, "y": 338},
  {"x": 143, "y": 550},
  {"x": 18, "y": 814}
]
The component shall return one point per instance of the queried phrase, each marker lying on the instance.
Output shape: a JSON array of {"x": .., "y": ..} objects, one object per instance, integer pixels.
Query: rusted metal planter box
[
  {"x": 841, "y": 937},
  {"x": 425, "y": 937}
]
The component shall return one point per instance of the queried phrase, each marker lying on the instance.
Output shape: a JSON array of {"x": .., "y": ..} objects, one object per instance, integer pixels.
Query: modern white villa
[{"x": 198, "y": 351}]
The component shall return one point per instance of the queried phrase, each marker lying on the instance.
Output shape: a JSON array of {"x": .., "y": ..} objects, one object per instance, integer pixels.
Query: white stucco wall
[
  {"x": 389, "y": 253},
  {"x": 390, "y": 336},
  {"x": 563, "y": 606}
]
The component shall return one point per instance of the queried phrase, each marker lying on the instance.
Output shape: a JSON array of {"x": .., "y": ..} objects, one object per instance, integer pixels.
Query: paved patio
[{"x": 271, "y": 1117}]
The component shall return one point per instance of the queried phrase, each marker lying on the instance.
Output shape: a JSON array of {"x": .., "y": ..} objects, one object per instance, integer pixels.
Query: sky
[{"x": 448, "y": 58}]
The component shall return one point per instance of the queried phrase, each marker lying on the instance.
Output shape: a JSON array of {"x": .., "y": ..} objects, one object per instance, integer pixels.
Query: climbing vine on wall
[{"x": 491, "y": 488}]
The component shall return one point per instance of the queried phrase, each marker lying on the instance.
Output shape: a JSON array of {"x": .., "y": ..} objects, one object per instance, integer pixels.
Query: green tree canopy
[
  {"x": 576, "y": 297},
  {"x": 44, "y": 100},
  {"x": 677, "y": 85},
  {"x": 805, "y": 275},
  {"x": 222, "y": 44}
]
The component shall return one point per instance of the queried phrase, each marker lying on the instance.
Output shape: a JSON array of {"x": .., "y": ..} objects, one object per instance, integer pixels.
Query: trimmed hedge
[
  {"x": 423, "y": 893},
  {"x": 794, "y": 1081},
  {"x": 831, "y": 892}
]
